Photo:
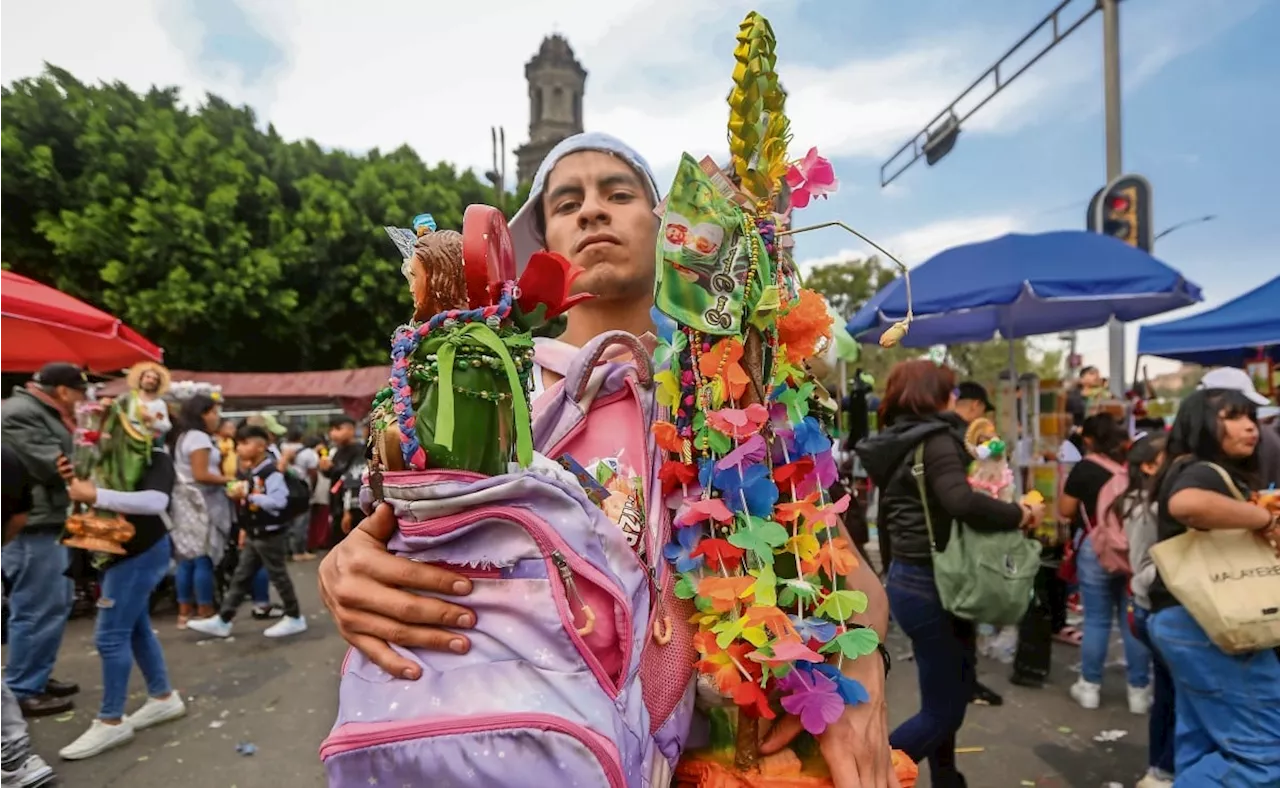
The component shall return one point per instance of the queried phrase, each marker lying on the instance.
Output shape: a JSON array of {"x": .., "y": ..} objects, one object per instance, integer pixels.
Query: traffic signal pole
[{"x": 1111, "y": 87}]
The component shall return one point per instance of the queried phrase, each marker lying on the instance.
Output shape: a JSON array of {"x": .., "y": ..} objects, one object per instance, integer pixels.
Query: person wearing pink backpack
[
  {"x": 1088, "y": 493},
  {"x": 592, "y": 201}
]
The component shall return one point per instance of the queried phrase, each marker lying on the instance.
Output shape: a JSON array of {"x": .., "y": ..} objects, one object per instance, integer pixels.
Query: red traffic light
[{"x": 1118, "y": 204}]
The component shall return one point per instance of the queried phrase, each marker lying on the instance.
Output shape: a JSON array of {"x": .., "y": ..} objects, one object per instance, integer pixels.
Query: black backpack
[{"x": 299, "y": 496}]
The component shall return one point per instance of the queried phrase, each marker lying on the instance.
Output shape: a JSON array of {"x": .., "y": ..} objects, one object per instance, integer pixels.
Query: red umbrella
[{"x": 41, "y": 324}]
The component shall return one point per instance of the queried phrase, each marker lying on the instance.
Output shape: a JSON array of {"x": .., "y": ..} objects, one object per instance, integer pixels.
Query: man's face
[
  {"x": 342, "y": 434},
  {"x": 149, "y": 381},
  {"x": 68, "y": 396},
  {"x": 1091, "y": 378},
  {"x": 970, "y": 409},
  {"x": 599, "y": 216}
]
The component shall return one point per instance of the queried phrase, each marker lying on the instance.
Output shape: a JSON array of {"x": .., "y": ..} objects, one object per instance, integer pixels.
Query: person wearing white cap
[
  {"x": 592, "y": 201},
  {"x": 1268, "y": 439}
]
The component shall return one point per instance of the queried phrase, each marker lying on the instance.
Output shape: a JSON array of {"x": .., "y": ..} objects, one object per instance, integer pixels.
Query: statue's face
[
  {"x": 149, "y": 381},
  {"x": 416, "y": 272}
]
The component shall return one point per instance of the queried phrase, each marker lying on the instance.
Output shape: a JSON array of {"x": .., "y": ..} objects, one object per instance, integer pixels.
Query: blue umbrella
[
  {"x": 1226, "y": 336},
  {"x": 1025, "y": 285}
]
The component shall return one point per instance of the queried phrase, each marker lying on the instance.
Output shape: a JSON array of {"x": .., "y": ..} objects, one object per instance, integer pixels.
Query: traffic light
[{"x": 1123, "y": 211}]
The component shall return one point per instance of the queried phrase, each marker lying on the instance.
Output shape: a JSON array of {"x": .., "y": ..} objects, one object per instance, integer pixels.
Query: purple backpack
[{"x": 551, "y": 692}]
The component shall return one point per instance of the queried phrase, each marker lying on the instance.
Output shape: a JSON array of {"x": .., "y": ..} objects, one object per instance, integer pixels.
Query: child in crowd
[{"x": 261, "y": 496}]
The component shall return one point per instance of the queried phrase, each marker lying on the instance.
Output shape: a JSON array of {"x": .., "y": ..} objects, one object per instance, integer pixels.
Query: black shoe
[
  {"x": 265, "y": 613},
  {"x": 985, "y": 696},
  {"x": 44, "y": 705},
  {"x": 60, "y": 689},
  {"x": 1023, "y": 680}
]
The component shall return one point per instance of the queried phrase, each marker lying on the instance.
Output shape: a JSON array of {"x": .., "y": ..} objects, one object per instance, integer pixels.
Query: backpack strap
[
  {"x": 1226, "y": 477},
  {"x": 578, "y": 374},
  {"x": 917, "y": 470}
]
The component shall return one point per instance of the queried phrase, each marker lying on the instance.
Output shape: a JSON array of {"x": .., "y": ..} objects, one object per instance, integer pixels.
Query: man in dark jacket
[{"x": 37, "y": 422}]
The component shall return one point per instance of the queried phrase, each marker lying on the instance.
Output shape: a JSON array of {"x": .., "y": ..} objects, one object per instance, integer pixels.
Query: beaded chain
[{"x": 406, "y": 341}]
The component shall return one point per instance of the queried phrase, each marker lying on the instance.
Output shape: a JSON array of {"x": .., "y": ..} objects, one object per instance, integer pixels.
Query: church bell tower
[{"x": 556, "y": 84}]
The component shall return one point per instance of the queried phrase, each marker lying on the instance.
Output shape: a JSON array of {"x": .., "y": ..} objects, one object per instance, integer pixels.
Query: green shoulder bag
[{"x": 986, "y": 577}]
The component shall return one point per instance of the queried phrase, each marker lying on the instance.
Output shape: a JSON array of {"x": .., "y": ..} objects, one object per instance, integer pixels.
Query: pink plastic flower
[{"x": 812, "y": 176}]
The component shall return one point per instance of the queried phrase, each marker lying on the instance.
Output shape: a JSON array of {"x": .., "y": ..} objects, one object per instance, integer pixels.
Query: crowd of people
[
  {"x": 221, "y": 508},
  {"x": 230, "y": 490}
]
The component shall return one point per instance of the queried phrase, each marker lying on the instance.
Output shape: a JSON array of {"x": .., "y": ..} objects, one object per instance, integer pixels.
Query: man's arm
[
  {"x": 276, "y": 496},
  {"x": 38, "y": 447}
]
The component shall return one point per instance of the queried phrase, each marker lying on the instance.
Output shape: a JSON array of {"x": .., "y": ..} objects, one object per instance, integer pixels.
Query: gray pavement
[{"x": 280, "y": 696}]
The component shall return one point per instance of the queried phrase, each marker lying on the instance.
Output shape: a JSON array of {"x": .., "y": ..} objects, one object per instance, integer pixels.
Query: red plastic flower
[
  {"x": 675, "y": 475},
  {"x": 812, "y": 176},
  {"x": 548, "y": 279},
  {"x": 721, "y": 556},
  {"x": 752, "y": 700}
]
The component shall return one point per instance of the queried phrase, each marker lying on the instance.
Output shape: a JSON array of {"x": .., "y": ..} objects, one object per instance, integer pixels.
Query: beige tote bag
[{"x": 1228, "y": 580}]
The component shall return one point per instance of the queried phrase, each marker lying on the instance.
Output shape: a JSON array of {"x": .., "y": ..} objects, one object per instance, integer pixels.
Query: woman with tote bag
[{"x": 1228, "y": 704}]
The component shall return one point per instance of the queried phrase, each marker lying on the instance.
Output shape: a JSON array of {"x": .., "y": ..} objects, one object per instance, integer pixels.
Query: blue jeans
[
  {"x": 1161, "y": 724},
  {"x": 123, "y": 633},
  {"x": 1228, "y": 706},
  {"x": 1106, "y": 602},
  {"x": 194, "y": 581},
  {"x": 40, "y": 597},
  {"x": 262, "y": 588},
  {"x": 945, "y": 653}
]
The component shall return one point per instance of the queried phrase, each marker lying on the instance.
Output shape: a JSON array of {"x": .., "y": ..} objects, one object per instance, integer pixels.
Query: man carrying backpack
[{"x": 592, "y": 201}]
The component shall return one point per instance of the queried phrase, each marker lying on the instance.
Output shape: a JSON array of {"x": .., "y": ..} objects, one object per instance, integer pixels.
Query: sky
[{"x": 1199, "y": 108}]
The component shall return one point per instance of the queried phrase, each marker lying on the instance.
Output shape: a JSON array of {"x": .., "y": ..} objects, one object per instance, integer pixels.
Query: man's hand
[
  {"x": 65, "y": 469},
  {"x": 326, "y": 462},
  {"x": 241, "y": 539},
  {"x": 346, "y": 521},
  {"x": 370, "y": 594},
  {"x": 856, "y": 746},
  {"x": 82, "y": 491}
]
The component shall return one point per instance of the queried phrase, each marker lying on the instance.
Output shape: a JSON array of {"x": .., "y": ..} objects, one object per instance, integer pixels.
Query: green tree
[{"x": 210, "y": 234}]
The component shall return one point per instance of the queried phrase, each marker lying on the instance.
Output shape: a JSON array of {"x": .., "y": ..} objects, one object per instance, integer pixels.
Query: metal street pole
[{"x": 1111, "y": 84}]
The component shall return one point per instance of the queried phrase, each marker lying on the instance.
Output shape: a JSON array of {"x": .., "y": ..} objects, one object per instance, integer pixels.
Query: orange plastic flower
[
  {"x": 805, "y": 507},
  {"x": 804, "y": 324},
  {"x": 752, "y": 701},
  {"x": 724, "y": 665},
  {"x": 725, "y": 360},
  {"x": 772, "y": 619},
  {"x": 834, "y": 555},
  {"x": 723, "y": 592},
  {"x": 667, "y": 436}
]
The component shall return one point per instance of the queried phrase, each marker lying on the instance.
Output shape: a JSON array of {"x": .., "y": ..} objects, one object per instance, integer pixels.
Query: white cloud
[{"x": 438, "y": 75}]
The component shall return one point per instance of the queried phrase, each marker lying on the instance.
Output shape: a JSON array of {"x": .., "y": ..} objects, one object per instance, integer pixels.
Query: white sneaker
[
  {"x": 213, "y": 625},
  {"x": 1087, "y": 694},
  {"x": 1140, "y": 699},
  {"x": 99, "y": 738},
  {"x": 1150, "y": 780},
  {"x": 31, "y": 773},
  {"x": 154, "y": 712},
  {"x": 286, "y": 626}
]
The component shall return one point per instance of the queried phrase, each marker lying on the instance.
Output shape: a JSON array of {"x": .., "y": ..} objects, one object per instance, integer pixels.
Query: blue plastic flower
[
  {"x": 753, "y": 485},
  {"x": 677, "y": 552},
  {"x": 813, "y": 628},
  {"x": 809, "y": 438},
  {"x": 663, "y": 325},
  {"x": 851, "y": 691}
]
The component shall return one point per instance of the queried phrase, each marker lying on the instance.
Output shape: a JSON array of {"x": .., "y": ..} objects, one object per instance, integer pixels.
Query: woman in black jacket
[{"x": 918, "y": 395}]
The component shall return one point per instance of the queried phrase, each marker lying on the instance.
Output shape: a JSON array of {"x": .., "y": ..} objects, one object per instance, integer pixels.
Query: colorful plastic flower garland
[{"x": 755, "y": 539}]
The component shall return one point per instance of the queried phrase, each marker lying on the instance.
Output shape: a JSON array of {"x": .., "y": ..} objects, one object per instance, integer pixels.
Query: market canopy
[
  {"x": 41, "y": 324},
  {"x": 1229, "y": 335},
  {"x": 1025, "y": 285}
]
